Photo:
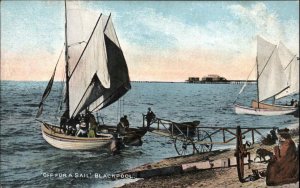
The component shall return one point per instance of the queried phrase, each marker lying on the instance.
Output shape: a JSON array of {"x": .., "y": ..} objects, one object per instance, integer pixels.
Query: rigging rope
[
  {"x": 245, "y": 84},
  {"x": 120, "y": 109}
]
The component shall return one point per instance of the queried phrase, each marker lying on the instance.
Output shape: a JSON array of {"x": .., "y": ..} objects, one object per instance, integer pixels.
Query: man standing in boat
[
  {"x": 149, "y": 117},
  {"x": 121, "y": 126},
  {"x": 126, "y": 122},
  {"x": 292, "y": 102},
  {"x": 63, "y": 121}
]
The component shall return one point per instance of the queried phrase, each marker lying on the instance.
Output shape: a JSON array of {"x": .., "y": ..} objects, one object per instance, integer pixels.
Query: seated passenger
[
  {"x": 91, "y": 121},
  {"x": 284, "y": 167},
  {"x": 82, "y": 132}
]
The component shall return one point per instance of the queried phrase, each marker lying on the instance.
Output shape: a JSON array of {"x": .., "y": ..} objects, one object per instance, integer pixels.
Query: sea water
[{"x": 28, "y": 160}]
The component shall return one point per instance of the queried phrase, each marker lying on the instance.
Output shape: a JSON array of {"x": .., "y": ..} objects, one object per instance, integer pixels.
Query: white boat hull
[
  {"x": 65, "y": 142},
  {"x": 263, "y": 111}
]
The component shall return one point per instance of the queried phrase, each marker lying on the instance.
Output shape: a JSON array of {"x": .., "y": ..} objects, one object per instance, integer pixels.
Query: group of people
[
  {"x": 294, "y": 103},
  {"x": 84, "y": 125}
]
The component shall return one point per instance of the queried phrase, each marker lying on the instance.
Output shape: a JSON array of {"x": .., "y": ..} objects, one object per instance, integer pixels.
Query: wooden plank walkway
[{"x": 152, "y": 170}]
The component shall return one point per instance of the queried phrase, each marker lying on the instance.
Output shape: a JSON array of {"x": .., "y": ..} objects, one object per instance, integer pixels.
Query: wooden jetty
[{"x": 186, "y": 164}]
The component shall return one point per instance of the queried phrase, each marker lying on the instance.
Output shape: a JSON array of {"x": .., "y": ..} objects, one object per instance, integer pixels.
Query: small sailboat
[
  {"x": 277, "y": 77},
  {"x": 96, "y": 76}
]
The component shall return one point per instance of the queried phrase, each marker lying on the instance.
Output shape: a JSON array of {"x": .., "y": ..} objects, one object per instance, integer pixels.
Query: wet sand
[{"x": 222, "y": 177}]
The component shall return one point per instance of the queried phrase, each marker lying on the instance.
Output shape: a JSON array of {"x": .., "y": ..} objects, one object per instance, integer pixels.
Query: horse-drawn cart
[{"x": 191, "y": 137}]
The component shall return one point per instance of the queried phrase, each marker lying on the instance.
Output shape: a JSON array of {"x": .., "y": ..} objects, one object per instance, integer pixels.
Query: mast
[
  {"x": 67, "y": 64},
  {"x": 257, "y": 83}
]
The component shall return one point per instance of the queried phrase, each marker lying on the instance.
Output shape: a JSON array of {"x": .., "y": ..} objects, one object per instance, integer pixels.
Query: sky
[{"x": 161, "y": 40}]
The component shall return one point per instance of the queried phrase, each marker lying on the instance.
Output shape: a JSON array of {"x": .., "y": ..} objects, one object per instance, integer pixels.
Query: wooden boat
[
  {"x": 131, "y": 137},
  {"x": 56, "y": 138},
  {"x": 96, "y": 75},
  {"x": 263, "y": 111},
  {"x": 277, "y": 77}
]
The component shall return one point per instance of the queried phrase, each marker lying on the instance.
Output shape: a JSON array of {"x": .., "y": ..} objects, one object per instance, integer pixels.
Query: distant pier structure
[
  {"x": 215, "y": 79},
  {"x": 193, "y": 80}
]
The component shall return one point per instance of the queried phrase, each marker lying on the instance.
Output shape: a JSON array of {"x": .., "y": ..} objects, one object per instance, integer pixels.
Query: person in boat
[
  {"x": 68, "y": 130},
  {"x": 82, "y": 132},
  {"x": 283, "y": 168},
  {"x": 63, "y": 122},
  {"x": 92, "y": 124},
  {"x": 149, "y": 117},
  {"x": 292, "y": 102},
  {"x": 121, "y": 127},
  {"x": 69, "y": 125},
  {"x": 126, "y": 122}
]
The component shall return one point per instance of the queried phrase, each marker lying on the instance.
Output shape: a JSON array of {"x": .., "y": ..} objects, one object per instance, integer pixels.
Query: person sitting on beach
[
  {"x": 271, "y": 138},
  {"x": 283, "y": 168},
  {"x": 149, "y": 117}
]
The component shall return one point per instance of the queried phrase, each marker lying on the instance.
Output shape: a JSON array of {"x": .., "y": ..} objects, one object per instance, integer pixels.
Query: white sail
[
  {"x": 118, "y": 71},
  {"x": 98, "y": 74},
  {"x": 80, "y": 24},
  {"x": 92, "y": 63},
  {"x": 291, "y": 70},
  {"x": 271, "y": 77}
]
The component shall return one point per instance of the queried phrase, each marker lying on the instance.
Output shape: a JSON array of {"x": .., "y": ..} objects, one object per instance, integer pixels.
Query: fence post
[{"x": 252, "y": 136}]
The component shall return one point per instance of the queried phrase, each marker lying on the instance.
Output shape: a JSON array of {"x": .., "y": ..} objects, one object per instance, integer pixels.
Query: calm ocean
[{"x": 27, "y": 160}]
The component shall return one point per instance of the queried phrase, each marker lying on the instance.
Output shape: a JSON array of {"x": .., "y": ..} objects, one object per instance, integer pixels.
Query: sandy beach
[{"x": 220, "y": 177}]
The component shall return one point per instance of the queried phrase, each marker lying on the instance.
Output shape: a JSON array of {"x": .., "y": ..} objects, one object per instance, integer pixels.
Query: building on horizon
[
  {"x": 213, "y": 78},
  {"x": 208, "y": 79},
  {"x": 193, "y": 79}
]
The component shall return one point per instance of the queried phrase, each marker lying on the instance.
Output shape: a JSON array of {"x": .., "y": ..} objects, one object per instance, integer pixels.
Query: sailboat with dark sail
[
  {"x": 96, "y": 76},
  {"x": 277, "y": 77}
]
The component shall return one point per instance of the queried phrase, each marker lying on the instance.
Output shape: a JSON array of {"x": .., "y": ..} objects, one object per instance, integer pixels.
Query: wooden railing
[{"x": 161, "y": 125}]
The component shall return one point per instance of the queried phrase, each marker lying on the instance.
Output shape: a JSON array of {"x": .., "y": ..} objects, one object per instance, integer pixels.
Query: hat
[
  {"x": 82, "y": 125},
  {"x": 149, "y": 108},
  {"x": 285, "y": 130},
  {"x": 284, "y": 133}
]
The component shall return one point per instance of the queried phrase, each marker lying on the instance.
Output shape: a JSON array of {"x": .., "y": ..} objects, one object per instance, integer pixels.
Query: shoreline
[{"x": 215, "y": 177}]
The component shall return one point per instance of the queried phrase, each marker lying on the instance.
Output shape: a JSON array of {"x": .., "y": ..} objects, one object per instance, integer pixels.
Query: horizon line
[{"x": 141, "y": 81}]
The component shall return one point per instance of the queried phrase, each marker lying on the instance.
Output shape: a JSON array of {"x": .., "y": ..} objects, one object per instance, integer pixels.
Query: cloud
[
  {"x": 160, "y": 46},
  {"x": 226, "y": 47},
  {"x": 267, "y": 24}
]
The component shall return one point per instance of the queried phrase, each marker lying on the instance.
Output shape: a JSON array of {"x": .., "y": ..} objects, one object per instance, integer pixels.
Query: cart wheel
[
  {"x": 205, "y": 138},
  {"x": 239, "y": 154},
  {"x": 183, "y": 146}
]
